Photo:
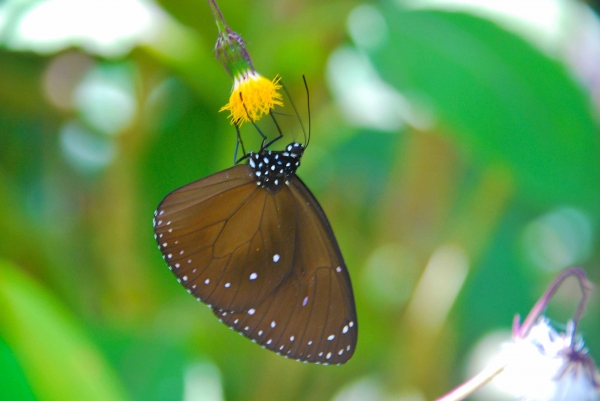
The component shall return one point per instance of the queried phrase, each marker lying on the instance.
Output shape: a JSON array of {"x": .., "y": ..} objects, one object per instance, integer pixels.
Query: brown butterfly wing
[
  {"x": 219, "y": 236},
  {"x": 310, "y": 316}
]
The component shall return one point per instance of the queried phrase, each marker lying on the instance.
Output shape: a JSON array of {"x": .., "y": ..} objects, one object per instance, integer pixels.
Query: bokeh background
[{"x": 455, "y": 149}]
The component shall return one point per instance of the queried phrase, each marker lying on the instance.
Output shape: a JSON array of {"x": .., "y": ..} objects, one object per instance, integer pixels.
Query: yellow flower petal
[{"x": 257, "y": 94}]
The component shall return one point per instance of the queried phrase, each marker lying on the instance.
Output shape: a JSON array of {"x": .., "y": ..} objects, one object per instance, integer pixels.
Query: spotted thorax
[{"x": 272, "y": 168}]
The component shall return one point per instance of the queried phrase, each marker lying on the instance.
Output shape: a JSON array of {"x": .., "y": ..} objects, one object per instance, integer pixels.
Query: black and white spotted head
[{"x": 273, "y": 168}]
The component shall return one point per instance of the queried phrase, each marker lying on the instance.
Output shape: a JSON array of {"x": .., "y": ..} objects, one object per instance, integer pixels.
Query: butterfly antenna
[
  {"x": 296, "y": 112},
  {"x": 307, "y": 106},
  {"x": 264, "y": 138}
]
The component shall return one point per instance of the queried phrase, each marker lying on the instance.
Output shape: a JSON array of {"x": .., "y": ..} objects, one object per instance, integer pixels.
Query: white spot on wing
[
  {"x": 345, "y": 329},
  {"x": 207, "y": 281},
  {"x": 253, "y": 276},
  {"x": 305, "y": 301},
  {"x": 251, "y": 311},
  {"x": 227, "y": 285},
  {"x": 276, "y": 258},
  {"x": 331, "y": 337},
  {"x": 273, "y": 324}
]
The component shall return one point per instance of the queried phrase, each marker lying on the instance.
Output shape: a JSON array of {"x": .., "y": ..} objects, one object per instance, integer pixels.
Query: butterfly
[{"x": 253, "y": 243}]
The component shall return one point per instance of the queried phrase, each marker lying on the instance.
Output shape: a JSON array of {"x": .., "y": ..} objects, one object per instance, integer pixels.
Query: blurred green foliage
[{"x": 506, "y": 170}]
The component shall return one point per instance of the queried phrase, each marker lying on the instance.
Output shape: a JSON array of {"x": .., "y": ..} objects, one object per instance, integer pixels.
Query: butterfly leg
[
  {"x": 253, "y": 123},
  {"x": 272, "y": 141},
  {"x": 237, "y": 144}
]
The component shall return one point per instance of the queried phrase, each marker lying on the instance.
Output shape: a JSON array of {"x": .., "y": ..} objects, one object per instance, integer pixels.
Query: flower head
[
  {"x": 546, "y": 365},
  {"x": 539, "y": 363},
  {"x": 252, "y": 95}
]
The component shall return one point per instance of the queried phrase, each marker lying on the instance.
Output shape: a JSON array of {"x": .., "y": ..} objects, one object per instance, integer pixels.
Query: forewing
[
  {"x": 311, "y": 316},
  {"x": 217, "y": 236}
]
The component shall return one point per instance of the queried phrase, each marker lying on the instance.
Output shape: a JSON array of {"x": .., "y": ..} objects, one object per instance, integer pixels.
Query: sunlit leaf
[{"x": 502, "y": 99}]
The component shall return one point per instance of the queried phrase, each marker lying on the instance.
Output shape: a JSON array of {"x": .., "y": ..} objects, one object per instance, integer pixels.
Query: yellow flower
[{"x": 256, "y": 93}]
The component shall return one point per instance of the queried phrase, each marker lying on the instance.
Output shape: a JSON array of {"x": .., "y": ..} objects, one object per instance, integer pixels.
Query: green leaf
[
  {"x": 58, "y": 359},
  {"x": 502, "y": 100},
  {"x": 12, "y": 379}
]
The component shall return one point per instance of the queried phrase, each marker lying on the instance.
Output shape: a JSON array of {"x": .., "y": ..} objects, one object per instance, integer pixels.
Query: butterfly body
[
  {"x": 253, "y": 243},
  {"x": 273, "y": 168}
]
